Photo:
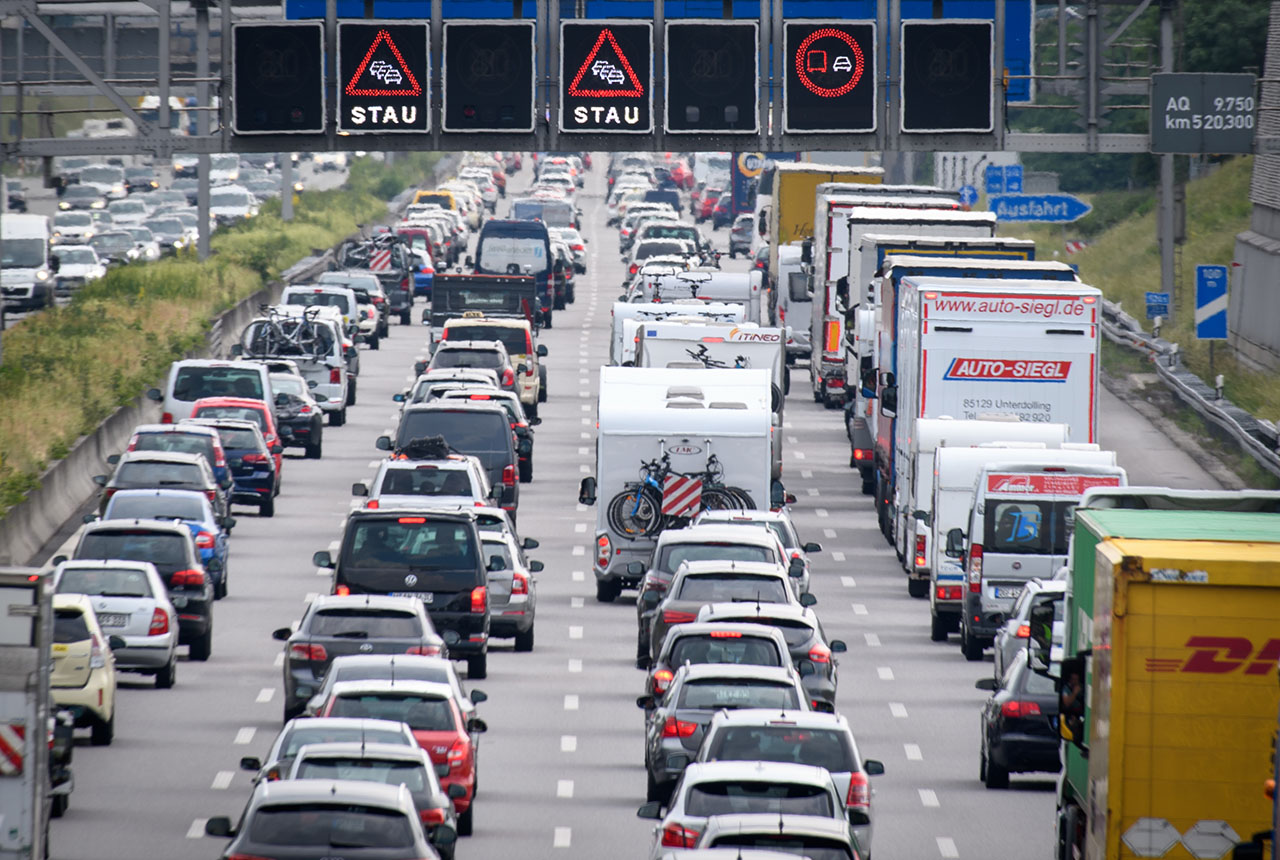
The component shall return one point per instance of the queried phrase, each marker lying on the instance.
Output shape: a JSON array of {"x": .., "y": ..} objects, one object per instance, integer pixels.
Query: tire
[
  {"x": 524, "y": 641},
  {"x": 103, "y": 732},
  {"x": 220, "y": 587},
  {"x": 202, "y": 648},
  {"x": 869, "y": 486},
  {"x": 647, "y": 519},
  {"x": 294, "y": 712},
  {"x": 373, "y": 344},
  {"x": 970, "y": 647},
  {"x": 58, "y": 808},
  {"x": 337, "y": 419},
  {"x": 465, "y": 824},
  {"x": 1070, "y": 826},
  {"x": 526, "y": 472},
  {"x": 351, "y": 396},
  {"x": 542, "y": 383},
  {"x": 558, "y": 303},
  {"x": 607, "y": 591},
  {"x": 267, "y": 508},
  {"x": 478, "y": 667},
  {"x": 167, "y": 676},
  {"x": 918, "y": 587},
  {"x": 720, "y": 499},
  {"x": 313, "y": 452},
  {"x": 404, "y": 317},
  {"x": 653, "y": 790},
  {"x": 546, "y": 323},
  {"x": 993, "y": 775},
  {"x": 938, "y": 629},
  {"x": 817, "y": 394},
  {"x": 571, "y": 295},
  {"x": 733, "y": 253}
]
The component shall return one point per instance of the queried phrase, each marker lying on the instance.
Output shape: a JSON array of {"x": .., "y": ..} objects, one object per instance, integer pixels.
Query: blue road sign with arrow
[
  {"x": 968, "y": 196},
  {"x": 1052, "y": 208}
]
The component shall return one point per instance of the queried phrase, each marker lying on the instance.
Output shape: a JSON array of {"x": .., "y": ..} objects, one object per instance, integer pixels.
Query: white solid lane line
[{"x": 913, "y": 752}]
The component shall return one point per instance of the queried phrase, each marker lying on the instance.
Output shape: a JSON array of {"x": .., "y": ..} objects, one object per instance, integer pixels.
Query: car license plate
[
  {"x": 112, "y": 619},
  {"x": 1010, "y": 592},
  {"x": 424, "y": 596}
]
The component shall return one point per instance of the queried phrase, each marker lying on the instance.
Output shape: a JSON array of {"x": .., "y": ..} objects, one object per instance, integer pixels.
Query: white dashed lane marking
[
  {"x": 873, "y": 640},
  {"x": 245, "y": 735},
  {"x": 575, "y": 631},
  {"x": 848, "y": 582},
  {"x": 222, "y": 780},
  {"x": 563, "y": 836},
  {"x": 929, "y": 797},
  {"x": 837, "y": 555},
  {"x": 196, "y": 830},
  {"x": 564, "y": 788},
  {"x": 265, "y": 695},
  {"x": 898, "y": 710},
  {"x": 913, "y": 752},
  {"x": 568, "y": 743},
  {"x": 885, "y": 673},
  {"x": 571, "y": 702},
  {"x": 947, "y": 847},
  {"x": 575, "y": 665},
  {"x": 859, "y": 609}
]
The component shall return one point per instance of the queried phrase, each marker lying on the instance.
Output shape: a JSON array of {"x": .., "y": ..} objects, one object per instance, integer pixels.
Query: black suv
[{"x": 434, "y": 556}]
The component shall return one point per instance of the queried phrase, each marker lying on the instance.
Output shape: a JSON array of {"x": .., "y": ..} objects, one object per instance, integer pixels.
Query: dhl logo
[{"x": 1220, "y": 655}]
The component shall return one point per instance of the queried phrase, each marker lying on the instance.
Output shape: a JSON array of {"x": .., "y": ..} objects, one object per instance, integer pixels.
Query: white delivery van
[
  {"x": 26, "y": 270},
  {"x": 619, "y": 343},
  {"x": 790, "y": 302},
  {"x": 689, "y": 417},
  {"x": 956, "y": 471},
  {"x": 837, "y": 234},
  {"x": 708, "y": 285},
  {"x": 916, "y": 493}
]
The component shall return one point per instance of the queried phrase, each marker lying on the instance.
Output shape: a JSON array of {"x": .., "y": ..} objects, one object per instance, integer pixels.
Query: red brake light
[
  {"x": 519, "y": 583},
  {"x": 661, "y": 679},
  {"x": 1020, "y": 709},
  {"x": 820, "y": 653},
  {"x": 675, "y": 836},
  {"x": 674, "y": 728},
  {"x": 342, "y": 591},
  {"x": 412, "y": 520},
  {"x": 634, "y": 268},
  {"x": 188, "y": 577},
  {"x": 508, "y": 476},
  {"x": 424, "y": 650},
  {"x": 975, "y": 569},
  {"x": 212, "y": 495},
  {"x": 859, "y": 792},
  {"x": 672, "y": 616},
  {"x": 479, "y": 396},
  {"x": 159, "y": 623},
  {"x": 1024, "y": 631},
  {"x": 431, "y": 817},
  {"x": 604, "y": 550},
  {"x": 335, "y": 375},
  {"x": 949, "y": 592},
  {"x": 166, "y": 418},
  {"x": 303, "y": 651},
  {"x": 204, "y": 540},
  {"x": 372, "y": 505},
  {"x": 508, "y": 377},
  {"x": 920, "y": 559},
  {"x": 725, "y": 634},
  {"x": 479, "y": 598}
]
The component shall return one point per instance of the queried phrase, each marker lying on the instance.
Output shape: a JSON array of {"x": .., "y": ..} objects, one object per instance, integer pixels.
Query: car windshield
[
  {"x": 739, "y": 797},
  {"x": 224, "y": 161},
  {"x": 311, "y": 732},
  {"x": 506, "y": 249},
  {"x": 724, "y": 647},
  {"x": 412, "y": 775},
  {"x": 127, "y": 207},
  {"x": 154, "y": 507},
  {"x": 163, "y": 549},
  {"x": 238, "y": 438},
  {"x": 331, "y": 825},
  {"x": 811, "y": 847},
  {"x": 151, "y": 474},
  {"x": 514, "y": 338},
  {"x": 109, "y": 582},
  {"x": 673, "y": 555},
  {"x": 425, "y": 480},
  {"x": 311, "y": 299},
  {"x": 74, "y": 256},
  {"x": 22, "y": 253},
  {"x": 196, "y": 382},
  {"x": 288, "y": 385},
  {"x": 713, "y": 694},
  {"x": 389, "y": 671},
  {"x": 86, "y": 191},
  {"x": 1026, "y": 527},
  {"x": 507, "y": 403},
  {"x": 104, "y": 175},
  {"x": 140, "y": 234},
  {"x": 412, "y": 544},
  {"x": 69, "y": 626},
  {"x": 359, "y": 622},
  {"x": 795, "y": 631},
  {"x": 827, "y": 748},
  {"x": 73, "y": 219},
  {"x": 186, "y": 443},
  {"x": 235, "y": 413},
  {"x": 490, "y": 358},
  {"x": 166, "y": 226},
  {"x": 234, "y": 199},
  {"x": 421, "y": 713},
  {"x": 465, "y": 430},
  {"x": 118, "y": 241},
  {"x": 670, "y": 231},
  {"x": 779, "y": 529},
  {"x": 724, "y": 587}
]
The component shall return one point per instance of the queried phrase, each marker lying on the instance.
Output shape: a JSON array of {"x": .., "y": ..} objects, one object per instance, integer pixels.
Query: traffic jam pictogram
[
  {"x": 830, "y": 76},
  {"x": 607, "y": 68},
  {"x": 382, "y": 66}
]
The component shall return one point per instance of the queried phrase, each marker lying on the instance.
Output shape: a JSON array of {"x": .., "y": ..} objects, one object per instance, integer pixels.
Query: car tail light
[
  {"x": 378, "y": 300},
  {"x": 188, "y": 577},
  {"x": 424, "y": 650},
  {"x": 431, "y": 817},
  {"x": 920, "y": 559},
  {"x": 166, "y": 418},
  {"x": 219, "y": 459},
  {"x": 404, "y": 283},
  {"x": 108, "y": 493},
  {"x": 633, "y": 269},
  {"x": 859, "y": 792},
  {"x": 820, "y": 653},
  {"x": 782, "y": 314},
  {"x": 949, "y": 592},
  {"x": 673, "y": 616},
  {"x": 457, "y": 754},
  {"x": 335, "y": 375},
  {"x": 675, "y": 836},
  {"x": 372, "y": 505},
  {"x": 254, "y": 458},
  {"x": 975, "y": 569},
  {"x": 342, "y": 591},
  {"x": 159, "y": 622},
  {"x": 479, "y": 598},
  {"x": 674, "y": 728},
  {"x": 725, "y": 634},
  {"x": 211, "y": 495},
  {"x": 861, "y": 454},
  {"x": 204, "y": 540},
  {"x": 303, "y": 651},
  {"x": 1017, "y": 709},
  {"x": 519, "y": 583},
  {"x": 661, "y": 679},
  {"x": 508, "y": 378},
  {"x": 508, "y": 476},
  {"x": 604, "y": 551},
  {"x": 96, "y": 660},
  {"x": 1024, "y": 631}
]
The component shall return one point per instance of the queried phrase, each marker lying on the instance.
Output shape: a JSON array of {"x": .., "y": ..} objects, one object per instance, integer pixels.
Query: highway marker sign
[{"x": 1211, "y": 302}]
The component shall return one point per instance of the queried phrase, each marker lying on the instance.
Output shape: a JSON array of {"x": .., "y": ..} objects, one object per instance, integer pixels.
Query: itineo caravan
[
  {"x": 707, "y": 285},
  {"x": 688, "y": 415},
  {"x": 622, "y": 349}
]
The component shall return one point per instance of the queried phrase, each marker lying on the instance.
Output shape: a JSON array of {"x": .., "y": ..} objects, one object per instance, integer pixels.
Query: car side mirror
[
  {"x": 59, "y": 559},
  {"x": 228, "y": 523},
  {"x": 113, "y": 459},
  {"x": 889, "y": 402},
  {"x": 277, "y": 448},
  {"x": 651, "y": 598},
  {"x": 534, "y": 421},
  {"x": 678, "y": 761},
  {"x": 812, "y": 546},
  {"x": 645, "y": 663},
  {"x": 536, "y": 566},
  {"x": 251, "y": 763},
  {"x": 359, "y": 489},
  {"x": 873, "y": 767},
  {"x": 955, "y": 543},
  {"x": 988, "y": 684},
  {"x": 1040, "y": 641},
  {"x": 155, "y": 394},
  {"x": 89, "y": 518},
  {"x": 311, "y": 383},
  {"x": 477, "y": 726},
  {"x": 646, "y": 702},
  {"x": 495, "y": 564},
  {"x": 795, "y": 568},
  {"x": 806, "y": 668},
  {"x": 808, "y": 599},
  {"x": 922, "y": 517},
  {"x": 282, "y": 634},
  {"x": 383, "y": 443},
  {"x": 322, "y": 559},
  {"x": 837, "y": 646},
  {"x": 399, "y": 398},
  {"x": 468, "y": 261},
  {"x": 444, "y": 834},
  {"x": 522, "y": 369},
  {"x": 587, "y": 491},
  {"x": 100, "y": 480},
  {"x": 789, "y": 498},
  {"x": 420, "y": 367},
  {"x": 635, "y": 568},
  {"x": 542, "y": 350},
  {"x": 529, "y": 543},
  {"x": 320, "y": 398},
  {"x": 218, "y": 826},
  {"x": 457, "y": 791},
  {"x": 650, "y": 811},
  {"x": 213, "y": 566}
]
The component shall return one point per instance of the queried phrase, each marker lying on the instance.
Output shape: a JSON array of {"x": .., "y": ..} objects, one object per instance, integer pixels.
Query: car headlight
[
  {"x": 57, "y": 235},
  {"x": 97, "y": 204},
  {"x": 117, "y": 189},
  {"x": 42, "y": 275},
  {"x": 62, "y": 204},
  {"x": 297, "y": 186},
  {"x": 233, "y": 175},
  {"x": 178, "y": 243},
  {"x": 154, "y": 184},
  {"x": 88, "y": 234}
]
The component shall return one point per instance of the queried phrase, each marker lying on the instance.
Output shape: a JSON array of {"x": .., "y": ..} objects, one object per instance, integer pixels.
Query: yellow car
[
  {"x": 84, "y": 671},
  {"x": 518, "y": 337}
]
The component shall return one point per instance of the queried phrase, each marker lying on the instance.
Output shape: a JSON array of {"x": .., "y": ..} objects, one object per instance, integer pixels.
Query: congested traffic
[{"x": 799, "y": 570}]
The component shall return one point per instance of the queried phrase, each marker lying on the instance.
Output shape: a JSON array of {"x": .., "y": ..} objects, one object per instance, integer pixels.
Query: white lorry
[
  {"x": 26, "y": 268},
  {"x": 687, "y": 416},
  {"x": 838, "y": 231},
  {"x": 1013, "y": 525},
  {"x": 622, "y": 348},
  {"x": 790, "y": 304}
]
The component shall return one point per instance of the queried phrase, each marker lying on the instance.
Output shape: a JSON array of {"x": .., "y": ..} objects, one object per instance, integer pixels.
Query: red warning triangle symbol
[
  {"x": 636, "y": 90},
  {"x": 398, "y": 79}
]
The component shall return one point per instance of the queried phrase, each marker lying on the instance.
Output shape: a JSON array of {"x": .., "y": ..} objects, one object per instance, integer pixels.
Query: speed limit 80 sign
[{"x": 830, "y": 83}]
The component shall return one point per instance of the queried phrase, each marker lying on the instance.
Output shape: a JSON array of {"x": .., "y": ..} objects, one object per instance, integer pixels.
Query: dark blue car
[
  {"x": 188, "y": 507},
  {"x": 253, "y": 468}
]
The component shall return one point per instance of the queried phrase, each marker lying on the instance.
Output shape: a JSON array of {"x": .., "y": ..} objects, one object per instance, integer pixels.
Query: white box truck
[
  {"x": 837, "y": 233},
  {"x": 27, "y": 271},
  {"x": 687, "y": 416}
]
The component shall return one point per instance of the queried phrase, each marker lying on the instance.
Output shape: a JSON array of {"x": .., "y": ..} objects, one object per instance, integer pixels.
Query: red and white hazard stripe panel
[
  {"x": 681, "y": 496},
  {"x": 380, "y": 261},
  {"x": 11, "y": 745}
]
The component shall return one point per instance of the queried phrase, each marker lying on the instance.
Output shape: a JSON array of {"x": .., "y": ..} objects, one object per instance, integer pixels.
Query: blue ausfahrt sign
[{"x": 1053, "y": 208}]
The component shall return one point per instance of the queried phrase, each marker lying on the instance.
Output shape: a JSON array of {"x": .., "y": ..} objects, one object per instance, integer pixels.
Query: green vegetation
[
  {"x": 1123, "y": 260},
  {"x": 67, "y": 369}
]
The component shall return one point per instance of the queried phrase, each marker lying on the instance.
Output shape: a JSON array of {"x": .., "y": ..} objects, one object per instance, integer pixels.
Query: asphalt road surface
[{"x": 561, "y": 765}]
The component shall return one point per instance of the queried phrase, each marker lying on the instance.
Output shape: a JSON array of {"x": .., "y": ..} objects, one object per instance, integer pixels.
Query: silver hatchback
[{"x": 513, "y": 600}]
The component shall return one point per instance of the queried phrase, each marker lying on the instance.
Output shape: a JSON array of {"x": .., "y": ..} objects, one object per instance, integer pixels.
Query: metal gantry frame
[{"x": 155, "y": 138}]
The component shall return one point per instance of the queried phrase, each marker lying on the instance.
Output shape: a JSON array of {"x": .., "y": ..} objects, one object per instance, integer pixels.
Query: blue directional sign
[
  {"x": 1013, "y": 179},
  {"x": 1158, "y": 305},
  {"x": 994, "y": 176},
  {"x": 1052, "y": 208},
  {"x": 968, "y": 196},
  {"x": 1211, "y": 302}
]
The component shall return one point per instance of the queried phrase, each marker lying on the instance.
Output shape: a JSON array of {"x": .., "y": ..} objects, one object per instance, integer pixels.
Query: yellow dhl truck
[{"x": 1168, "y": 682}]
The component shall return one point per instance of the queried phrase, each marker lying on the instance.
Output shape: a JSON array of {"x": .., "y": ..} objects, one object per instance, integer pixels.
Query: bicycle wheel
[
  {"x": 745, "y": 501},
  {"x": 635, "y": 513},
  {"x": 719, "y": 499}
]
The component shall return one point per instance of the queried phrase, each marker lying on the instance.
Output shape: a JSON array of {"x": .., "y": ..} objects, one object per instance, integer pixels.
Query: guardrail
[{"x": 1256, "y": 437}]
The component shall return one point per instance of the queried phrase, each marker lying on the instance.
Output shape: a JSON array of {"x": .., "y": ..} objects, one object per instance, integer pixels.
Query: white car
[
  {"x": 229, "y": 203},
  {"x": 128, "y": 212},
  {"x": 148, "y": 247},
  {"x": 454, "y": 480},
  {"x": 73, "y": 227},
  {"x": 131, "y": 602},
  {"x": 77, "y": 265}
]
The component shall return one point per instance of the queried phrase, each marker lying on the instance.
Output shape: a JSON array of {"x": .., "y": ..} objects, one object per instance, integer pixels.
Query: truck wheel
[
  {"x": 477, "y": 667},
  {"x": 970, "y": 647},
  {"x": 918, "y": 587},
  {"x": 607, "y": 591},
  {"x": 103, "y": 732},
  {"x": 1070, "y": 830},
  {"x": 937, "y": 629}
]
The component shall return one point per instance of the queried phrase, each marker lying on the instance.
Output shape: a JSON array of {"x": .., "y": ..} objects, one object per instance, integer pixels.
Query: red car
[
  {"x": 707, "y": 203},
  {"x": 244, "y": 409},
  {"x": 432, "y": 714}
]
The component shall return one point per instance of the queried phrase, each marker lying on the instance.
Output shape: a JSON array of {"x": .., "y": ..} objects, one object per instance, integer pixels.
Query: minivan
[{"x": 193, "y": 379}]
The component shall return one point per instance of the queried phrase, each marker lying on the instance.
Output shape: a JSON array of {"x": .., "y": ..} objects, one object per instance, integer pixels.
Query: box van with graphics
[{"x": 510, "y": 247}]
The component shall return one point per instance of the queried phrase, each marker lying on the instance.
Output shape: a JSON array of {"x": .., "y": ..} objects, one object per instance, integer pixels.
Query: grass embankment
[
  {"x": 67, "y": 369},
  {"x": 1123, "y": 260}
]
